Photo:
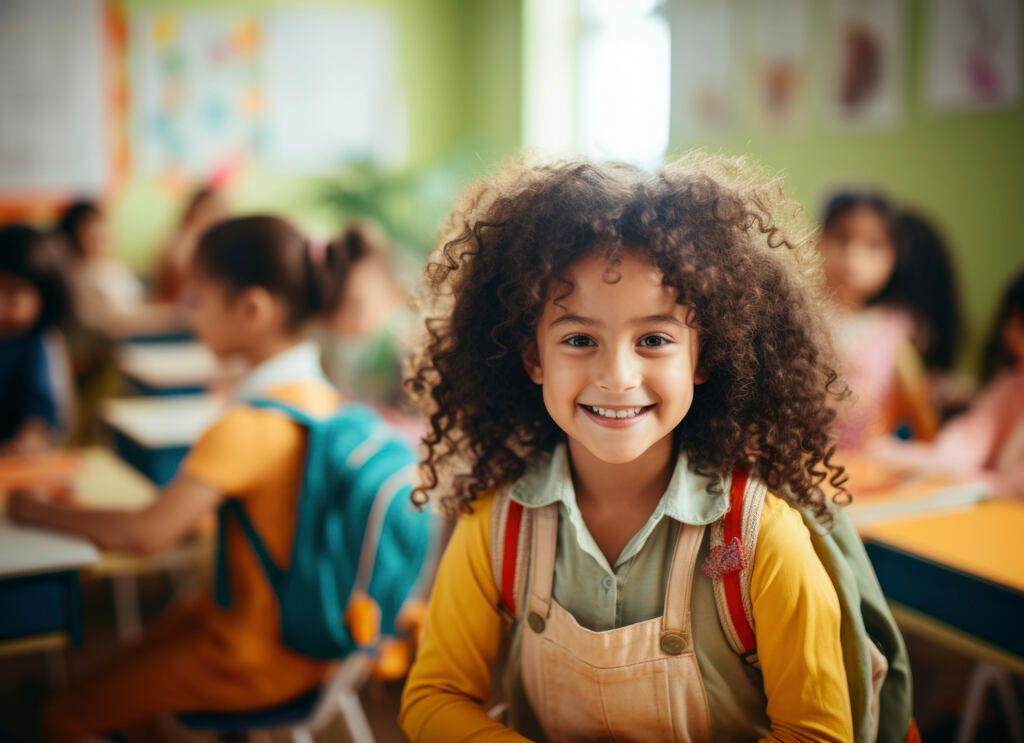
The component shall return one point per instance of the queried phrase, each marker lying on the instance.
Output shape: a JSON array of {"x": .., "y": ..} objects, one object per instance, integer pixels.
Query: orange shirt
[{"x": 258, "y": 456}]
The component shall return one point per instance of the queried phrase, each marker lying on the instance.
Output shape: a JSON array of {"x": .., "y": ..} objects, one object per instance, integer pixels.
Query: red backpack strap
[
  {"x": 731, "y": 559},
  {"x": 510, "y": 535}
]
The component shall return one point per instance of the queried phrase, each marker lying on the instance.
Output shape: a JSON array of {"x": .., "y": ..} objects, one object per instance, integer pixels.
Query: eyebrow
[{"x": 581, "y": 320}]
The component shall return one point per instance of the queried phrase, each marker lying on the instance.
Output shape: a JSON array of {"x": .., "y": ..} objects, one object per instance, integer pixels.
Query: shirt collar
[
  {"x": 300, "y": 363},
  {"x": 687, "y": 498}
]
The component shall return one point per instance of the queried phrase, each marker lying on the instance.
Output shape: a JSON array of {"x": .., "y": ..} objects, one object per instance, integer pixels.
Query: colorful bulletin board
[
  {"x": 196, "y": 91},
  {"x": 297, "y": 89}
]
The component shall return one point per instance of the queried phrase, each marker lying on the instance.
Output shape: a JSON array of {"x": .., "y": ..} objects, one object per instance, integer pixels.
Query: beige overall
[{"x": 634, "y": 683}]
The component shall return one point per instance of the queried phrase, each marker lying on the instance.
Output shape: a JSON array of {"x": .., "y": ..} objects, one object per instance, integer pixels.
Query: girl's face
[
  {"x": 94, "y": 236},
  {"x": 216, "y": 315},
  {"x": 20, "y": 305},
  {"x": 1013, "y": 337},
  {"x": 859, "y": 256},
  {"x": 617, "y": 361}
]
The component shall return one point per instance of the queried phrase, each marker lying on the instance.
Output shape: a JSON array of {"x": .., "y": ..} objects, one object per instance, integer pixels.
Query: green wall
[{"x": 964, "y": 170}]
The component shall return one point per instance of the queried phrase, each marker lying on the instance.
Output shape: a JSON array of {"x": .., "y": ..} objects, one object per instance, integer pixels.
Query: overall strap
[
  {"x": 542, "y": 558},
  {"x": 511, "y": 533},
  {"x": 731, "y": 560},
  {"x": 676, "y": 617}
]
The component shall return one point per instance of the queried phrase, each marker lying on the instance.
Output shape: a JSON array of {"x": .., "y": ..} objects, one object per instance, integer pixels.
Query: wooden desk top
[
  {"x": 985, "y": 539},
  {"x": 92, "y": 477}
]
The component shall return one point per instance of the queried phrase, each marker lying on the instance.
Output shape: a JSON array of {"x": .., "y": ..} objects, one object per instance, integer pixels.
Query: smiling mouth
[{"x": 616, "y": 413}]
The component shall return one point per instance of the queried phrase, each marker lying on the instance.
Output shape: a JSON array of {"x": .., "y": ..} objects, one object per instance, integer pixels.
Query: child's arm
[
  {"x": 915, "y": 397},
  {"x": 451, "y": 678},
  {"x": 796, "y": 622},
  {"x": 35, "y": 435},
  {"x": 151, "y": 530}
]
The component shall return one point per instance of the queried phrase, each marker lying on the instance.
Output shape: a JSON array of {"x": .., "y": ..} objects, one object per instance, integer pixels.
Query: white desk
[
  {"x": 39, "y": 601},
  {"x": 162, "y": 422},
  {"x": 26, "y": 550},
  {"x": 154, "y": 434},
  {"x": 170, "y": 368},
  {"x": 39, "y": 604}
]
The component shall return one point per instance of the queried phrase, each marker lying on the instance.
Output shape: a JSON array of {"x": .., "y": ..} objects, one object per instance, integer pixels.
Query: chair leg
[
  {"x": 1003, "y": 682},
  {"x": 983, "y": 678},
  {"x": 57, "y": 668},
  {"x": 354, "y": 718},
  {"x": 128, "y": 617}
]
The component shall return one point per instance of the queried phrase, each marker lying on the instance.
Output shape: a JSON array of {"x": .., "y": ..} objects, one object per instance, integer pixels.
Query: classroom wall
[
  {"x": 453, "y": 101},
  {"x": 966, "y": 170},
  {"x": 461, "y": 69}
]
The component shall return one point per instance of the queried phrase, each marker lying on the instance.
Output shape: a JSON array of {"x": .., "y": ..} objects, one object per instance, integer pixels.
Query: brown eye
[
  {"x": 654, "y": 341},
  {"x": 579, "y": 341}
]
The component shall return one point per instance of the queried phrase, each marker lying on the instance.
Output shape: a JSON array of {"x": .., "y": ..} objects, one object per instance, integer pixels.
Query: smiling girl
[{"x": 605, "y": 348}]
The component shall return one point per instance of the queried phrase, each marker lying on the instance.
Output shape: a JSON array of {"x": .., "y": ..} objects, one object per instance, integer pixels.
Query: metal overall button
[
  {"x": 674, "y": 643},
  {"x": 536, "y": 622}
]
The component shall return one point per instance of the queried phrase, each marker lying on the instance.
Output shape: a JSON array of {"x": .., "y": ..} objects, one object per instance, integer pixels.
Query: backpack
[
  {"x": 876, "y": 661},
  {"x": 357, "y": 533}
]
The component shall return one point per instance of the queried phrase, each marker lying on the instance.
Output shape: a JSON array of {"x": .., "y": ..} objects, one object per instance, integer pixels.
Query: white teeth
[{"x": 621, "y": 413}]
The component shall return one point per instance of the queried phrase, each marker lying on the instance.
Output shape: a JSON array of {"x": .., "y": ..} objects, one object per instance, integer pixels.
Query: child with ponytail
[{"x": 256, "y": 282}]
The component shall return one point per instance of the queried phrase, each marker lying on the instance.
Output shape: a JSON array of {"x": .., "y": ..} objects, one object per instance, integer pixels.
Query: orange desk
[{"x": 961, "y": 568}]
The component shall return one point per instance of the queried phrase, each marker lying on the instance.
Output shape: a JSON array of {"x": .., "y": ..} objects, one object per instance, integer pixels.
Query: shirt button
[{"x": 607, "y": 582}]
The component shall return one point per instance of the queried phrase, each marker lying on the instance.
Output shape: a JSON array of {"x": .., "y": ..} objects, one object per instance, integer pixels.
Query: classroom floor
[{"x": 939, "y": 679}]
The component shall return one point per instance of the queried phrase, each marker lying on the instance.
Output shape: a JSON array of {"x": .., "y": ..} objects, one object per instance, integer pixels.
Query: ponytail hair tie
[{"x": 317, "y": 252}]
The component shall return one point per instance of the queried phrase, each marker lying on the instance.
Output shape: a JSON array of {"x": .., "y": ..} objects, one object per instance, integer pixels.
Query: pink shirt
[{"x": 989, "y": 436}]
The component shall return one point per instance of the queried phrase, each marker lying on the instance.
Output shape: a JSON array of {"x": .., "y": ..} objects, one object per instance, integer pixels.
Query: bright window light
[{"x": 624, "y": 81}]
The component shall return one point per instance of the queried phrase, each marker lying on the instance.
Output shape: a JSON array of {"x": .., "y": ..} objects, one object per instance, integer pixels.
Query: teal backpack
[{"x": 356, "y": 530}]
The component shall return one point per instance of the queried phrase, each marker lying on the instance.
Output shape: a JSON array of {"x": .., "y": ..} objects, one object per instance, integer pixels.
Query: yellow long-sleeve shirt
[{"x": 796, "y": 614}]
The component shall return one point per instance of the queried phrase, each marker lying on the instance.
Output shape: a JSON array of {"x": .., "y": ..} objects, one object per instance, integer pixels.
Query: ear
[
  {"x": 700, "y": 375},
  {"x": 531, "y": 362},
  {"x": 256, "y": 305}
]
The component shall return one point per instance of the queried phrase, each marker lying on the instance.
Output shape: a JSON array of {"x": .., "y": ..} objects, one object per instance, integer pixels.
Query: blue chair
[{"x": 302, "y": 717}]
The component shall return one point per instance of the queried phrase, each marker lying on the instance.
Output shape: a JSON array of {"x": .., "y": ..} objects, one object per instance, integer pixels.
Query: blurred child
[
  {"x": 929, "y": 287},
  {"x": 34, "y": 376},
  {"x": 108, "y": 297},
  {"x": 256, "y": 285},
  {"x": 866, "y": 267},
  {"x": 204, "y": 209},
  {"x": 986, "y": 441},
  {"x": 364, "y": 343},
  {"x": 609, "y": 352}
]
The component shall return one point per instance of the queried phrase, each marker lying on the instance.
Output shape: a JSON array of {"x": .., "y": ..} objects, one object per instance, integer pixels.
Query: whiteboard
[{"x": 52, "y": 130}]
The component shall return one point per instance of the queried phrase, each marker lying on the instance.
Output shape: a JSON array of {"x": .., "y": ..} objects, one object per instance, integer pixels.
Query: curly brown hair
[{"x": 724, "y": 236}]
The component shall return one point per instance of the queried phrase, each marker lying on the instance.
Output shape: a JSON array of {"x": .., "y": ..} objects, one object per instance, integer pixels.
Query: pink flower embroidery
[{"x": 725, "y": 559}]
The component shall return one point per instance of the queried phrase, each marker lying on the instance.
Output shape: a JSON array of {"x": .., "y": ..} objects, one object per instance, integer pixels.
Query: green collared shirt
[{"x": 602, "y": 596}]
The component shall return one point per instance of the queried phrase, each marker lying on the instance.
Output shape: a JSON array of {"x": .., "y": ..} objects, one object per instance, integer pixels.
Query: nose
[{"x": 618, "y": 369}]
